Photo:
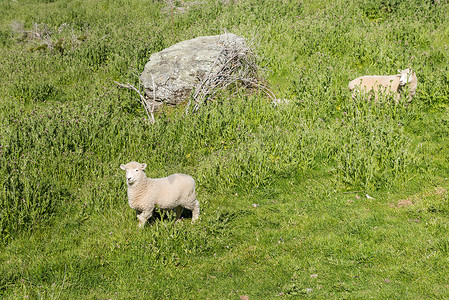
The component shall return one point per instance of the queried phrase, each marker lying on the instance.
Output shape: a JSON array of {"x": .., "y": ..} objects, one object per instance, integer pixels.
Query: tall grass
[
  {"x": 73, "y": 118},
  {"x": 281, "y": 186}
]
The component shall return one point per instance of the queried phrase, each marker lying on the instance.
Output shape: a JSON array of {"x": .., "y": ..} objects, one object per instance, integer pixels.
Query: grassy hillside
[{"x": 325, "y": 196}]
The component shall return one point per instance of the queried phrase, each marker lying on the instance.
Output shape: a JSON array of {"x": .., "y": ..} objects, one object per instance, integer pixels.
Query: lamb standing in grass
[
  {"x": 175, "y": 191},
  {"x": 386, "y": 84}
]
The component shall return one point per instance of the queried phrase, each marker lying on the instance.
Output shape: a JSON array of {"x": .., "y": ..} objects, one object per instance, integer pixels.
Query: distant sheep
[
  {"x": 393, "y": 84},
  {"x": 176, "y": 191}
]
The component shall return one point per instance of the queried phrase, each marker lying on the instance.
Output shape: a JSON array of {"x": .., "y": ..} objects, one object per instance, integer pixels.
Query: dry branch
[
  {"x": 41, "y": 36},
  {"x": 39, "y": 31},
  {"x": 237, "y": 67},
  {"x": 148, "y": 109}
]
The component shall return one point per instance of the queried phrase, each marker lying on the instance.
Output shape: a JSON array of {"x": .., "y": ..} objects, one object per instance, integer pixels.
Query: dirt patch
[
  {"x": 440, "y": 190},
  {"x": 402, "y": 203}
]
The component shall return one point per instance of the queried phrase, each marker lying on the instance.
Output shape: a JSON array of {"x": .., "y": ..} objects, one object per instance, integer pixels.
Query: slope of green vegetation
[{"x": 324, "y": 196}]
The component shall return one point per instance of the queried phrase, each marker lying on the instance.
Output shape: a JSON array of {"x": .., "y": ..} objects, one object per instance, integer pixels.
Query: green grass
[{"x": 283, "y": 189}]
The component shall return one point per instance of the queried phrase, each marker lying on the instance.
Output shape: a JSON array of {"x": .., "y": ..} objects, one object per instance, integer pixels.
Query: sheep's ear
[
  {"x": 122, "y": 166},
  {"x": 399, "y": 71},
  {"x": 144, "y": 166}
]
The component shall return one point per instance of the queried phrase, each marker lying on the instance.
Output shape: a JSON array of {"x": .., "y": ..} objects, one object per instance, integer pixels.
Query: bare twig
[
  {"x": 41, "y": 36},
  {"x": 154, "y": 100},
  {"x": 39, "y": 32},
  {"x": 352, "y": 192},
  {"x": 149, "y": 110},
  {"x": 237, "y": 66}
]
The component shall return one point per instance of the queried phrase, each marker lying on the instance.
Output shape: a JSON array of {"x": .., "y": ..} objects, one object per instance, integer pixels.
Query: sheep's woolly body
[
  {"x": 384, "y": 84},
  {"x": 175, "y": 191},
  {"x": 392, "y": 84}
]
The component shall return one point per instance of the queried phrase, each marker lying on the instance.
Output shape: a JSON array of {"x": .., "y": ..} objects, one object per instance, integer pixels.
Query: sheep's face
[
  {"x": 406, "y": 76},
  {"x": 134, "y": 172}
]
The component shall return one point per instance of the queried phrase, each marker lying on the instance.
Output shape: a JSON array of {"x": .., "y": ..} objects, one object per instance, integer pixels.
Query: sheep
[
  {"x": 393, "y": 84},
  {"x": 176, "y": 191}
]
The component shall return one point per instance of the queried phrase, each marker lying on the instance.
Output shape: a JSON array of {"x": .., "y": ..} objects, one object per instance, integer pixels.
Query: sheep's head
[
  {"x": 134, "y": 171},
  {"x": 406, "y": 76}
]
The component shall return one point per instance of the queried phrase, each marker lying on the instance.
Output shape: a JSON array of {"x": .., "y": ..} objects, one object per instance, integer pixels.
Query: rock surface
[{"x": 175, "y": 71}]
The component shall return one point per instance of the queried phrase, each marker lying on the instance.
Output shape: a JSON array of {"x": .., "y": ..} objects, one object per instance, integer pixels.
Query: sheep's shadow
[{"x": 165, "y": 215}]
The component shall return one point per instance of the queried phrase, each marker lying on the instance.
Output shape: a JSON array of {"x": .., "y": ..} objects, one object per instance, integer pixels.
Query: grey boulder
[{"x": 171, "y": 75}]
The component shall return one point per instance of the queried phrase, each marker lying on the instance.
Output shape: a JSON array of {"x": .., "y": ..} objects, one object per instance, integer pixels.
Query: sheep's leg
[
  {"x": 397, "y": 96},
  {"x": 195, "y": 210},
  {"x": 376, "y": 96},
  {"x": 353, "y": 95},
  {"x": 143, "y": 216},
  {"x": 179, "y": 210}
]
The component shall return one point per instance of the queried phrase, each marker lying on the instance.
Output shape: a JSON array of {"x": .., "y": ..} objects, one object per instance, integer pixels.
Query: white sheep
[
  {"x": 176, "y": 191},
  {"x": 393, "y": 84}
]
